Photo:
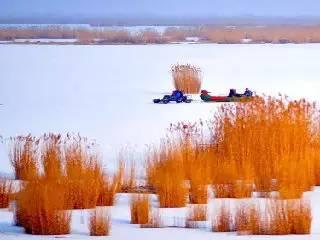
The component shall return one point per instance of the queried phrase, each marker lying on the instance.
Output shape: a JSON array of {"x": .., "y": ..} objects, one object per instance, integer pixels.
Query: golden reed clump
[
  {"x": 166, "y": 175},
  {"x": 248, "y": 146},
  {"x": 264, "y": 142},
  {"x": 222, "y": 220},
  {"x": 186, "y": 78},
  {"x": 155, "y": 221},
  {"x": 24, "y": 157},
  {"x": 66, "y": 173},
  {"x": 196, "y": 213},
  {"x": 274, "y": 217},
  {"x": 84, "y": 176},
  {"x": 6, "y": 192},
  {"x": 140, "y": 208},
  {"x": 179, "y": 170},
  {"x": 99, "y": 222},
  {"x": 41, "y": 208},
  {"x": 127, "y": 172}
]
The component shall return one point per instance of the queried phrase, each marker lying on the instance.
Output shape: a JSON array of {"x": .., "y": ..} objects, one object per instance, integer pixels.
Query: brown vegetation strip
[{"x": 267, "y": 34}]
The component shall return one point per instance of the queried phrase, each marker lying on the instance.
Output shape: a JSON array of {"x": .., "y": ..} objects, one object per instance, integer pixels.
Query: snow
[
  {"x": 106, "y": 92},
  {"x": 44, "y": 40},
  {"x": 246, "y": 40},
  {"x": 173, "y": 220}
]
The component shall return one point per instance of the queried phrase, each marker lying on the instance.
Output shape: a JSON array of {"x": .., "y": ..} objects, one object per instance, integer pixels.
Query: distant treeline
[{"x": 228, "y": 35}]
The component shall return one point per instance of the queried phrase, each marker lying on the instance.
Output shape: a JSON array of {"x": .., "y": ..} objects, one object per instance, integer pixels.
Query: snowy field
[
  {"x": 106, "y": 92},
  {"x": 173, "y": 221}
]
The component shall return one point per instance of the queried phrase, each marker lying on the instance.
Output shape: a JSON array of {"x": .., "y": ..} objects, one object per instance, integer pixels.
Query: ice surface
[{"x": 106, "y": 92}]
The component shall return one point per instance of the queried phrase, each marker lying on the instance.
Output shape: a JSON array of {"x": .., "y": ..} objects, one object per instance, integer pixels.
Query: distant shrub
[{"x": 225, "y": 35}]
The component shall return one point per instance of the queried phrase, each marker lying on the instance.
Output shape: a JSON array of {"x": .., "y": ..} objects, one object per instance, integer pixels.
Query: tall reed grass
[
  {"x": 84, "y": 174},
  {"x": 223, "y": 220},
  {"x": 127, "y": 173},
  {"x": 172, "y": 190},
  {"x": 41, "y": 208},
  {"x": 6, "y": 191},
  {"x": 109, "y": 186},
  {"x": 155, "y": 220},
  {"x": 265, "y": 140},
  {"x": 99, "y": 222},
  {"x": 197, "y": 212},
  {"x": 140, "y": 208},
  {"x": 66, "y": 173},
  {"x": 257, "y": 146},
  {"x": 274, "y": 217},
  {"x": 186, "y": 78},
  {"x": 24, "y": 157}
]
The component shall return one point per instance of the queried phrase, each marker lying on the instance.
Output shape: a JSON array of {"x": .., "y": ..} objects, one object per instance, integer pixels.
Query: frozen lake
[{"x": 105, "y": 92}]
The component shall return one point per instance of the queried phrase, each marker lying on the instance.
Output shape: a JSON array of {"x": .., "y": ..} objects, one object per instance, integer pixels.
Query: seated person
[
  {"x": 248, "y": 93},
  {"x": 233, "y": 93},
  {"x": 177, "y": 93}
]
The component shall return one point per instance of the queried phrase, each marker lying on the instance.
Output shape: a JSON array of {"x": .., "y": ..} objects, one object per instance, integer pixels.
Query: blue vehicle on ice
[{"x": 176, "y": 96}]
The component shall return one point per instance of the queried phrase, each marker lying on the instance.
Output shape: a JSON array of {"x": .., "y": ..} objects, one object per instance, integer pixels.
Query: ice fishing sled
[
  {"x": 176, "y": 96},
  {"x": 232, "y": 97}
]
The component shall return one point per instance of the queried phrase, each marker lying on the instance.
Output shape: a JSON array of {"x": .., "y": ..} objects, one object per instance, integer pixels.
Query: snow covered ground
[
  {"x": 173, "y": 220},
  {"x": 132, "y": 29},
  {"x": 106, "y": 92},
  {"x": 44, "y": 40}
]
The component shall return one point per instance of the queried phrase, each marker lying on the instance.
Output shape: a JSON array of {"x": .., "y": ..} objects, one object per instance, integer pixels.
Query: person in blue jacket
[
  {"x": 177, "y": 94},
  {"x": 248, "y": 93}
]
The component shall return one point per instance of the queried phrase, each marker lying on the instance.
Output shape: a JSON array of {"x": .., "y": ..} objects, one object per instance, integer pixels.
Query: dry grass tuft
[
  {"x": 66, "y": 174},
  {"x": 172, "y": 189},
  {"x": 195, "y": 214},
  {"x": 51, "y": 156},
  {"x": 261, "y": 141},
  {"x": 41, "y": 207},
  {"x": 99, "y": 222},
  {"x": 108, "y": 188},
  {"x": 140, "y": 207},
  {"x": 248, "y": 219},
  {"x": 275, "y": 217},
  {"x": 223, "y": 220},
  {"x": 127, "y": 175},
  {"x": 154, "y": 222},
  {"x": 186, "y": 78},
  {"x": 84, "y": 174},
  {"x": 6, "y": 191},
  {"x": 24, "y": 157}
]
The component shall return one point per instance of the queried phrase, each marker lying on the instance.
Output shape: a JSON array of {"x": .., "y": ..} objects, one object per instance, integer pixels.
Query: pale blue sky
[{"x": 162, "y": 8}]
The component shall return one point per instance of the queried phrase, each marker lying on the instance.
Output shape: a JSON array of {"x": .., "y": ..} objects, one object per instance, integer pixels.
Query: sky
[{"x": 162, "y": 8}]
